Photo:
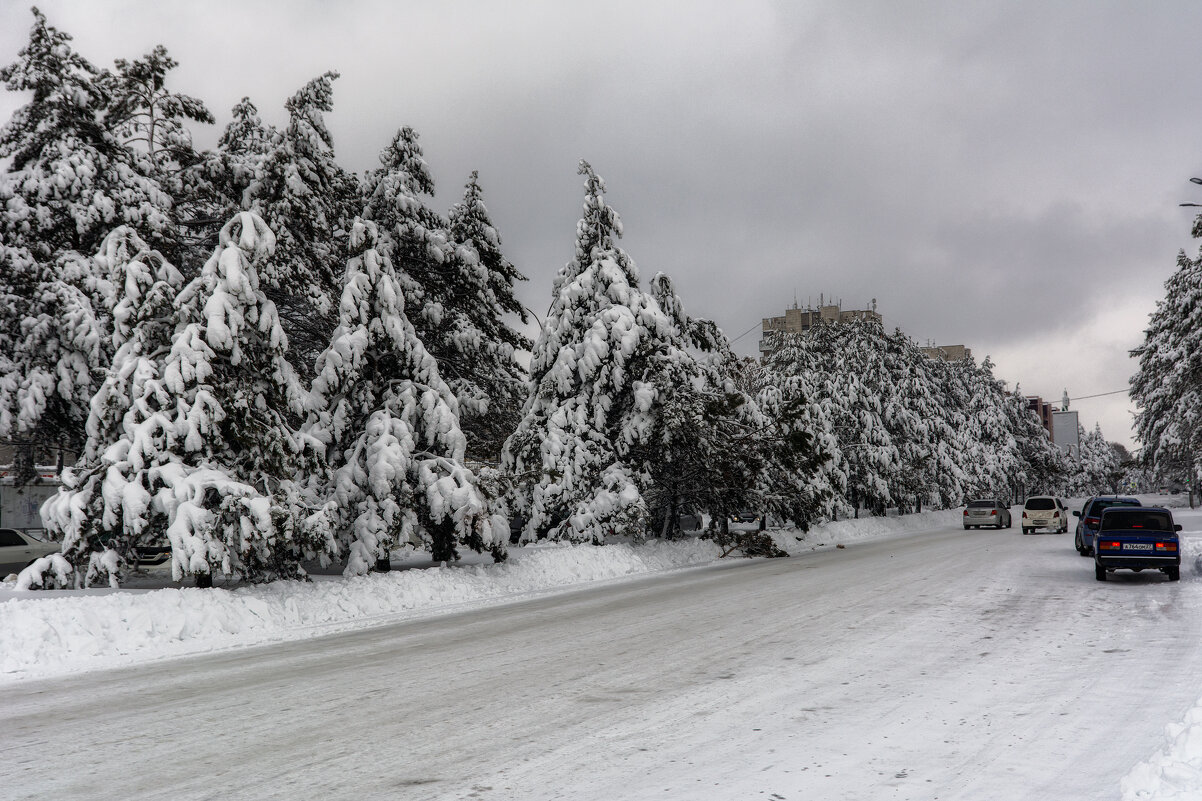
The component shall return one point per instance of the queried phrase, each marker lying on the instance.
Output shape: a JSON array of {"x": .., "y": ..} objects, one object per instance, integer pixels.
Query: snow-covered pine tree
[
  {"x": 68, "y": 182},
  {"x": 855, "y": 386},
  {"x": 1043, "y": 466},
  {"x": 991, "y": 453},
  {"x": 215, "y": 185},
  {"x": 910, "y": 414},
  {"x": 792, "y": 397},
  {"x": 588, "y": 403},
  {"x": 151, "y": 121},
  {"x": 483, "y": 296},
  {"x": 1097, "y": 464},
  {"x": 452, "y": 288},
  {"x": 229, "y": 460},
  {"x": 933, "y": 403},
  {"x": 104, "y": 511},
  {"x": 390, "y": 427},
  {"x": 703, "y": 443},
  {"x": 149, "y": 118},
  {"x": 53, "y": 344},
  {"x": 307, "y": 200},
  {"x": 1167, "y": 386}
]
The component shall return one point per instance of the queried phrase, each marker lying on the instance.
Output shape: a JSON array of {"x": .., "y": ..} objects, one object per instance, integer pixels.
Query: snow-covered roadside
[
  {"x": 1174, "y": 772},
  {"x": 48, "y": 633}
]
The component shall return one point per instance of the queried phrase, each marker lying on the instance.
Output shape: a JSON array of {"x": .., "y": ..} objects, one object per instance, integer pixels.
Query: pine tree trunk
[{"x": 442, "y": 541}]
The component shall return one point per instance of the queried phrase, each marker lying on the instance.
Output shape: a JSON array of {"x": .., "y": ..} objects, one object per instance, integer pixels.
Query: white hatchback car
[
  {"x": 18, "y": 549},
  {"x": 1044, "y": 511}
]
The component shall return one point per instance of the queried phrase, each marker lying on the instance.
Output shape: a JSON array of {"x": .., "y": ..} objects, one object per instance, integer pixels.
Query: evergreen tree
[
  {"x": 227, "y": 462},
  {"x": 793, "y": 382},
  {"x": 1097, "y": 464},
  {"x": 215, "y": 186},
  {"x": 67, "y": 183},
  {"x": 151, "y": 121},
  {"x": 307, "y": 200},
  {"x": 1167, "y": 386},
  {"x": 53, "y": 344},
  {"x": 1043, "y": 466},
  {"x": 460, "y": 286},
  {"x": 588, "y": 403},
  {"x": 390, "y": 427},
  {"x": 485, "y": 359},
  {"x": 105, "y": 510}
]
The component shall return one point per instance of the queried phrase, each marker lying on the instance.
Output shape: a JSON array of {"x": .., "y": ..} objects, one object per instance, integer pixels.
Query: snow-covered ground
[
  {"x": 54, "y": 632},
  {"x": 46, "y": 634}
]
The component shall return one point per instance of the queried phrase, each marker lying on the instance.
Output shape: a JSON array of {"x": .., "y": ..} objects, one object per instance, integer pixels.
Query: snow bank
[
  {"x": 49, "y": 633},
  {"x": 865, "y": 528},
  {"x": 55, "y": 632},
  {"x": 1174, "y": 773}
]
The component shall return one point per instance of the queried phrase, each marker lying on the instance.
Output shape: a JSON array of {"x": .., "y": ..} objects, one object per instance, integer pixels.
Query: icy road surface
[{"x": 945, "y": 665}]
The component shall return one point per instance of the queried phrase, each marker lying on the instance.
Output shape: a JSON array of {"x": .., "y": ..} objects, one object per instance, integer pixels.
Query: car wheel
[
  {"x": 1026, "y": 530},
  {"x": 1174, "y": 573},
  {"x": 966, "y": 528},
  {"x": 1099, "y": 572}
]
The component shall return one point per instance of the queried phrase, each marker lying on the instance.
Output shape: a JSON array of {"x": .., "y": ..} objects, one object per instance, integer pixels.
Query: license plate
[{"x": 1138, "y": 546}]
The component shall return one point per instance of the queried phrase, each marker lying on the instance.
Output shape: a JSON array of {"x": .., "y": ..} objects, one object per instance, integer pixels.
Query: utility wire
[
  {"x": 745, "y": 333},
  {"x": 1099, "y": 395}
]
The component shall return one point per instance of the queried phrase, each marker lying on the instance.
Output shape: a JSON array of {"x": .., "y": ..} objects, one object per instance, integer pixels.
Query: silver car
[
  {"x": 18, "y": 549},
  {"x": 986, "y": 512}
]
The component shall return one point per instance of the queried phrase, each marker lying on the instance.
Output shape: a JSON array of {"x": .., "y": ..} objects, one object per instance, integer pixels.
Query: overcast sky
[{"x": 1002, "y": 175}]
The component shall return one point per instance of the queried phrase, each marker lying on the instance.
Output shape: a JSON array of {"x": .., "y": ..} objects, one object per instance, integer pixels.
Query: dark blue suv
[{"x": 1091, "y": 515}]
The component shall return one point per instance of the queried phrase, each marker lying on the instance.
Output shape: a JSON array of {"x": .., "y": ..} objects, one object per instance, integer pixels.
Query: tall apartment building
[{"x": 797, "y": 320}]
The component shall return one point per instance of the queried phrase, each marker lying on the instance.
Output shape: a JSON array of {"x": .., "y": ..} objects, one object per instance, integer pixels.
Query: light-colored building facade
[
  {"x": 947, "y": 353},
  {"x": 797, "y": 320}
]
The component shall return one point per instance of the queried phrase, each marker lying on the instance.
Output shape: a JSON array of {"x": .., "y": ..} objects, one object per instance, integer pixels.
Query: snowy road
[{"x": 946, "y": 665}]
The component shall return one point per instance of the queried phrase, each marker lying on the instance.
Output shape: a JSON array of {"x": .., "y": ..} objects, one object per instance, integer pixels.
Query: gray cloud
[{"x": 929, "y": 155}]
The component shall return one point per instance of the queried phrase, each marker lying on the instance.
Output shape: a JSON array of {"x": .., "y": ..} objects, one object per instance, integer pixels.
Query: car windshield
[
  {"x": 1117, "y": 519},
  {"x": 981, "y": 504},
  {"x": 1041, "y": 503}
]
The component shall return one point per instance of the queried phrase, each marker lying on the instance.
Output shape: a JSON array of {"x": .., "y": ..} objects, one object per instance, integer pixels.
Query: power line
[
  {"x": 1099, "y": 395},
  {"x": 745, "y": 333}
]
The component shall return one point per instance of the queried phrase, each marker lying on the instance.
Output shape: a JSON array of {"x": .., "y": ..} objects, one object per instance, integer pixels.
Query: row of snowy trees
[
  {"x": 95, "y": 149},
  {"x": 900, "y": 429},
  {"x": 1167, "y": 386},
  {"x": 265, "y": 361}
]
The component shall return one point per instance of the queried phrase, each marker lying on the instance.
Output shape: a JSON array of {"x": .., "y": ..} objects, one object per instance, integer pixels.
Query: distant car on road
[
  {"x": 1044, "y": 511},
  {"x": 18, "y": 549},
  {"x": 1137, "y": 538},
  {"x": 747, "y": 518},
  {"x": 1091, "y": 516},
  {"x": 986, "y": 512}
]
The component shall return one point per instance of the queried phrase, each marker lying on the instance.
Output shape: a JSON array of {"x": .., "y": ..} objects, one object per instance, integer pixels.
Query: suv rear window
[
  {"x": 982, "y": 504},
  {"x": 1040, "y": 503},
  {"x": 1117, "y": 519},
  {"x": 1105, "y": 503}
]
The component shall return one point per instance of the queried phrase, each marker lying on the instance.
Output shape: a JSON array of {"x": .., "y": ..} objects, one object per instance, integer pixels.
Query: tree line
[{"x": 265, "y": 360}]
